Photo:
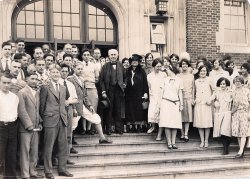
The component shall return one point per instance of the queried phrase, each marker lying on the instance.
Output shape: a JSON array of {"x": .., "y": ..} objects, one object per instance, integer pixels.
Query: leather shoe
[
  {"x": 74, "y": 142},
  {"x": 73, "y": 151},
  {"x": 70, "y": 162},
  {"x": 49, "y": 176},
  {"x": 108, "y": 132},
  {"x": 83, "y": 132},
  {"x": 36, "y": 176},
  {"x": 119, "y": 132},
  {"x": 105, "y": 141},
  {"x": 65, "y": 174}
]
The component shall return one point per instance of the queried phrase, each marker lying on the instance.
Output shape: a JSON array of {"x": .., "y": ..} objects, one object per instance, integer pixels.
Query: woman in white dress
[
  {"x": 171, "y": 106},
  {"x": 155, "y": 84},
  {"x": 202, "y": 101},
  {"x": 222, "y": 98},
  {"x": 188, "y": 84}
]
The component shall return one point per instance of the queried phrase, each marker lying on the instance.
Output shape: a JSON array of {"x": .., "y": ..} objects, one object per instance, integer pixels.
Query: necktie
[
  {"x": 67, "y": 90},
  {"x": 57, "y": 89},
  {"x": 7, "y": 65}
]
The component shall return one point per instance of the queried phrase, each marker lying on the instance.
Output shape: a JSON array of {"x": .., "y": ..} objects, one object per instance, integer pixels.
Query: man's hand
[
  {"x": 67, "y": 103},
  {"x": 40, "y": 126},
  {"x": 104, "y": 95},
  {"x": 30, "y": 128}
]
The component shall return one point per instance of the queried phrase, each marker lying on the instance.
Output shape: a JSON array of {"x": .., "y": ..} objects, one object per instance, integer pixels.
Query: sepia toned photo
[{"x": 125, "y": 89}]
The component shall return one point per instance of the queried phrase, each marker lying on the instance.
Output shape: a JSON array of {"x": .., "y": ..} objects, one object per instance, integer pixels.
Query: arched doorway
[{"x": 84, "y": 23}]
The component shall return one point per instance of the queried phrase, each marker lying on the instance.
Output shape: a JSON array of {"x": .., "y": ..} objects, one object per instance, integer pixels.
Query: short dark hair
[
  {"x": 146, "y": 56},
  {"x": 186, "y": 61},
  {"x": 85, "y": 50},
  {"x": 246, "y": 66},
  {"x": 222, "y": 79},
  {"x": 65, "y": 66},
  {"x": 5, "y": 44},
  {"x": 19, "y": 56},
  {"x": 67, "y": 55},
  {"x": 48, "y": 55},
  {"x": 124, "y": 59},
  {"x": 240, "y": 78},
  {"x": 221, "y": 63},
  {"x": 6, "y": 75},
  {"x": 228, "y": 63},
  {"x": 37, "y": 48},
  {"x": 29, "y": 74},
  {"x": 229, "y": 70},
  {"x": 174, "y": 55},
  {"x": 20, "y": 40},
  {"x": 156, "y": 61},
  {"x": 200, "y": 68}
]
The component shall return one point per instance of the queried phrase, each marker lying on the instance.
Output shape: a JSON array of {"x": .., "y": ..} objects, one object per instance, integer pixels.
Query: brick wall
[{"x": 202, "y": 20}]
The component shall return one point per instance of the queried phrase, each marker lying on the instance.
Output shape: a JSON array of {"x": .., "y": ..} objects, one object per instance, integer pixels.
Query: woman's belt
[{"x": 173, "y": 101}]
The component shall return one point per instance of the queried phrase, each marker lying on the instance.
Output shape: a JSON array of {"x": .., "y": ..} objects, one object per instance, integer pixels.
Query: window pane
[
  {"x": 58, "y": 32},
  {"x": 30, "y": 17},
  {"x": 227, "y": 9},
  {"x": 66, "y": 33},
  {"x": 241, "y": 10},
  {"x": 227, "y": 23},
  {"x": 101, "y": 21},
  {"x": 57, "y": 19},
  {"x": 92, "y": 34},
  {"x": 66, "y": 19},
  {"x": 40, "y": 32},
  {"x": 57, "y": 5},
  {"x": 234, "y": 10},
  {"x": 30, "y": 31},
  {"x": 75, "y": 33},
  {"x": 234, "y": 22},
  {"x": 20, "y": 31},
  {"x": 21, "y": 18},
  {"x": 75, "y": 6},
  {"x": 101, "y": 34},
  {"x": 109, "y": 36},
  {"x": 242, "y": 36},
  {"x": 227, "y": 36},
  {"x": 30, "y": 7},
  {"x": 75, "y": 20},
  {"x": 66, "y": 6},
  {"x": 100, "y": 12},
  {"x": 92, "y": 9},
  {"x": 92, "y": 21},
  {"x": 39, "y": 18},
  {"x": 242, "y": 22},
  {"x": 234, "y": 36},
  {"x": 109, "y": 23},
  {"x": 39, "y": 6}
]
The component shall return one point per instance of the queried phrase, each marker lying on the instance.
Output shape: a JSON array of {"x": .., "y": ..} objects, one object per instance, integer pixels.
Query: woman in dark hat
[{"x": 136, "y": 91}]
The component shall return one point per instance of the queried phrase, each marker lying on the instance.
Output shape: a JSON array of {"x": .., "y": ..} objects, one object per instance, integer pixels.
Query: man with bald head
[{"x": 113, "y": 83}]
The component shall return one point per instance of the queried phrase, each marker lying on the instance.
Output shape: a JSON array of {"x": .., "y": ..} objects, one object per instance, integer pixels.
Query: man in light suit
[
  {"x": 30, "y": 120},
  {"x": 84, "y": 107},
  {"x": 54, "y": 115}
]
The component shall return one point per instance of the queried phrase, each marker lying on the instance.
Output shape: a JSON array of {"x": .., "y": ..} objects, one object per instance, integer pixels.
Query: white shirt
[
  {"x": 32, "y": 91},
  {"x": 4, "y": 62},
  {"x": 90, "y": 75},
  {"x": 71, "y": 88},
  {"x": 8, "y": 106},
  {"x": 55, "y": 85}
]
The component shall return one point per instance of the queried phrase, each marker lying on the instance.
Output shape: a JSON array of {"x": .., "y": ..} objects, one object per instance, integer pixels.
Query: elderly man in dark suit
[
  {"x": 30, "y": 124},
  {"x": 113, "y": 83},
  {"x": 54, "y": 115}
]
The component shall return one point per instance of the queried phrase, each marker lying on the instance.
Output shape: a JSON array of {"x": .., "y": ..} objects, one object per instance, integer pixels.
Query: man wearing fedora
[{"x": 113, "y": 83}]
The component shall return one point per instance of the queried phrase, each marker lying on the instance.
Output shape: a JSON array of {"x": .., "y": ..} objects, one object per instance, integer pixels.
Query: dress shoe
[
  {"x": 83, "y": 132},
  {"x": 73, "y": 151},
  {"x": 105, "y": 141},
  {"x": 70, "y": 162},
  {"x": 65, "y": 174},
  {"x": 36, "y": 176},
  {"x": 108, "y": 132},
  {"x": 151, "y": 130},
  {"x": 119, "y": 132},
  {"x": 49, "y": 176},
  {"x": 89, "y": 132},
  {"x": 74, "y": 142},
  {"x": 239, "y": 155},
  {"x": 158, "y": 139},
  {"x": 174, "y": 146},
  {"x": 170, "y": 146}
]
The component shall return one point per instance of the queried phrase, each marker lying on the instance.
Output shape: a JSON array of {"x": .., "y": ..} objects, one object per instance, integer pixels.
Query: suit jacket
[
  {"x": 28, "y": 109},
  {"x": 105, "y": 76},
  {"x": 81, "y": 94},
  {"x": 52, "y": 105},
  {"x": 1, "y": 67}
]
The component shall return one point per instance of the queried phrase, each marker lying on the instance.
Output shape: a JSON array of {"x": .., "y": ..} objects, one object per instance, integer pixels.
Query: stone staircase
[{"x": 140, "y": 156}]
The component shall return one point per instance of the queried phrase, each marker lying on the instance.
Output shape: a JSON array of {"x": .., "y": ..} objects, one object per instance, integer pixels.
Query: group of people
[{"x": 41, "y": 99}]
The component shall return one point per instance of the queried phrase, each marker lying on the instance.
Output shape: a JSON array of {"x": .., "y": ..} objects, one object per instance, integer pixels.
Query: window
[
  {"x": 80, "y": 21},
  {"x": 235, "y": 26}
]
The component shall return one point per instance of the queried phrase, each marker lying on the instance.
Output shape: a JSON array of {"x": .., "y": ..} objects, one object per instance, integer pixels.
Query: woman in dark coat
[{"x": 136, "y": 91}]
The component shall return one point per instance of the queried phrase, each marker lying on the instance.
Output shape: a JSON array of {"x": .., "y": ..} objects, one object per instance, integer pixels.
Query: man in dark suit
[
  {"x": 84, "y": 107},
  {"x": 30, "y": 124},
  {"x": 54, "y": 115},
  {"x": 6, "y": 57},
  {"x": 113, "y": 83}
]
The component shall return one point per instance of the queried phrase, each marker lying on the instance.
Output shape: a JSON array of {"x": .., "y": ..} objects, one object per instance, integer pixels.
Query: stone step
[
  {"x": 146, "y": 153},
  {"x": 137, "y": 145},
  {"x": 206, "y": 169}
]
